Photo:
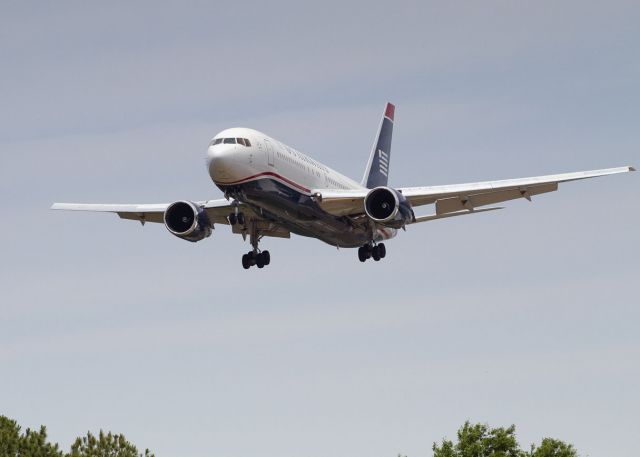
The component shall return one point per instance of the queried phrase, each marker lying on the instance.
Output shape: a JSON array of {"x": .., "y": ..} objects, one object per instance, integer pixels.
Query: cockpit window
[{"x": 242, "y": 141}]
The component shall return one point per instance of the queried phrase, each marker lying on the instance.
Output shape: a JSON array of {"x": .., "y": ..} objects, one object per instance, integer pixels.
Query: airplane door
[{"x": 269, "y": 149}]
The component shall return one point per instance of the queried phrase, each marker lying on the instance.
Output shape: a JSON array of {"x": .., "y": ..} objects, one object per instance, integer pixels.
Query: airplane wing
[
  {"x": 459, "y": 197},
  {"x": 217, "y": 210}
]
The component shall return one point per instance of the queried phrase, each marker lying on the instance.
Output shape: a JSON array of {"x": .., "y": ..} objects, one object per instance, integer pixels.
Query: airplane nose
[{"x": 220, "y": 161}]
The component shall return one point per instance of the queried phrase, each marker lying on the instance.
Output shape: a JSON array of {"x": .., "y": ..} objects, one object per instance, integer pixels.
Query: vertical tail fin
[{"x": 377, "y": 171}]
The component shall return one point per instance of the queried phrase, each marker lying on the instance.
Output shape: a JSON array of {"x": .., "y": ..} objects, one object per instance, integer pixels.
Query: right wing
[{"x": 217, "y": 210}]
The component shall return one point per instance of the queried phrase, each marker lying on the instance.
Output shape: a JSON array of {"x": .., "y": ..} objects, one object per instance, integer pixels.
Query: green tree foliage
[
  {"x": 478, "y": 440},
  {"x": 105, "y": 445},
  {"x": 32, "y": 443},
  {"x": 553, "y": 448}
]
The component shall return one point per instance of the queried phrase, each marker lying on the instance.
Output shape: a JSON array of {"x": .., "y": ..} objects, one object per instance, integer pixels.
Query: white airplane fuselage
[{"x": 277, "y": 181}]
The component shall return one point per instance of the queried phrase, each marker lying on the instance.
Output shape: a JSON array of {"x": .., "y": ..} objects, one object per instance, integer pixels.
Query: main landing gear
[
  {"x": 255, "y": 256},
  {"x": 377, "y": 252},
  {"x": 259, "y": 259}
]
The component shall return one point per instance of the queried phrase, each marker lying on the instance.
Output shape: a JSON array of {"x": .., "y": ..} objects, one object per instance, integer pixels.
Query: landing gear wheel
[
  {"x": 246, "y": 262},
  {"x": 240, "y": 218},
  {"x": 260, "y": 260},
  {"x": 362, "y": 254},
  {"x": 233, "y": 220},
  {"x": 375, "y": 253},
  {"x": 382, "y": 250},
  {"x": 266, "y": 257}
]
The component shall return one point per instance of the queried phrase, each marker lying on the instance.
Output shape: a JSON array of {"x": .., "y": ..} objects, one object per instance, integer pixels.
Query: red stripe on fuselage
[{"x": 265, "y": 173}]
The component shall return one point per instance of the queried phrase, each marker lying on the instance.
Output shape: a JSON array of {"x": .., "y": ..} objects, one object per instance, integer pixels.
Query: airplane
[{"x": 273, "y": 190}]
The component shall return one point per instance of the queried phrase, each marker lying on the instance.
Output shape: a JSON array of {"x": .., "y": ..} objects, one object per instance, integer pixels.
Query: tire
[
  {"x": 260, "y": 261},
  {"x": 368, "y": 249},
  {"x": 267, "y": 257},
  {"x": 375, "y": 253},
  {"x": 362, "y": 254},
  {"x": 241, "y": 218},
  {"x": 233, "y": 220},
  {"x": 246, "y": 262},
  {"x": 252, "y": 257},
  {"x": 382, "y": 250}
]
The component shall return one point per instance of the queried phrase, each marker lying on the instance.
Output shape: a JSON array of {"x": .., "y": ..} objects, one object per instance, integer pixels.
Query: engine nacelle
[
  {"x": 388, "y": 207},
  {"x": 186, "y": 220}
]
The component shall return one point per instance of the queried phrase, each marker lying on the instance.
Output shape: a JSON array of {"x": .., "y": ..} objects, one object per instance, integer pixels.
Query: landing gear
[
  {"x": 236, "y": 218},
  {"x": 377, "y": 252},
  {"x": 254, "y": 257},
  {"x": 259, "y": 259}
]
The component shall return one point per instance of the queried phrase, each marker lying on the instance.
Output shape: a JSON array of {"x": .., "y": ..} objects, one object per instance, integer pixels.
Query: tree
[
  {"x": 34, "y": 444},
  {"x": 553, "y": 448},
  {"x": 31, "y": 443},
  {"x": 478, "y": 440},
  {"x": 105, "y": 445}
]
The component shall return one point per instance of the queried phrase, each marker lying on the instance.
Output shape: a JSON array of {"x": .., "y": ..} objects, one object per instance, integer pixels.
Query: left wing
[{"x": 459, "y": 197}]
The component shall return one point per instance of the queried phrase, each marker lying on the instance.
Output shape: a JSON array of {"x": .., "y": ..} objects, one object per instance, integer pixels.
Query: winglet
[{"x": 632, "y": 168}]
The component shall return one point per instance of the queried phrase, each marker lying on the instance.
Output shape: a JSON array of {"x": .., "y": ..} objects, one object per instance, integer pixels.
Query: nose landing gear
[
  {"x": 377, "y": 252},
  {"x": 236, "y": 218}
]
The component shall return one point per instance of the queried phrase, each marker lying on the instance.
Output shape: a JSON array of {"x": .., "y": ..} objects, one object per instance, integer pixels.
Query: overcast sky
[{"x": 528, "y": 315}]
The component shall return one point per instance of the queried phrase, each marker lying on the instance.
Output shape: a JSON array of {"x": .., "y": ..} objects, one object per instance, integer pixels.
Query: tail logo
[{"x": 383, "y": 162}]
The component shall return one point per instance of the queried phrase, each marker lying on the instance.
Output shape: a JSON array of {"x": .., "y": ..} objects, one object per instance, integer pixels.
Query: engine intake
[
  {"x": 186, "y": 220},
  {"x": 388, "y": 207}
]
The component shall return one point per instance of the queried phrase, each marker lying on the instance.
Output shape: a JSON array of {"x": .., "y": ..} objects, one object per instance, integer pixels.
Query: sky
[{"x": 525, "y": 316}]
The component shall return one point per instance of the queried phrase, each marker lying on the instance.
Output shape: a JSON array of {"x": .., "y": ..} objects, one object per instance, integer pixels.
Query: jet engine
[
  {"x": 186, "y": 220},
  {"x": 388, "y": 207}
]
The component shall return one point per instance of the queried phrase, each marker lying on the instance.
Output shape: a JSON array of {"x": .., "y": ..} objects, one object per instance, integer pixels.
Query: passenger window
[
  {"x": 247, "y": 142},
  {"x": 229, "y": 141},
  {"x": 240, "y": 141}
]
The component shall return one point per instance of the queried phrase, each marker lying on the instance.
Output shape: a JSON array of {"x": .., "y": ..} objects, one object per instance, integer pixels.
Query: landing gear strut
[{"x": 377, "y": 252}]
